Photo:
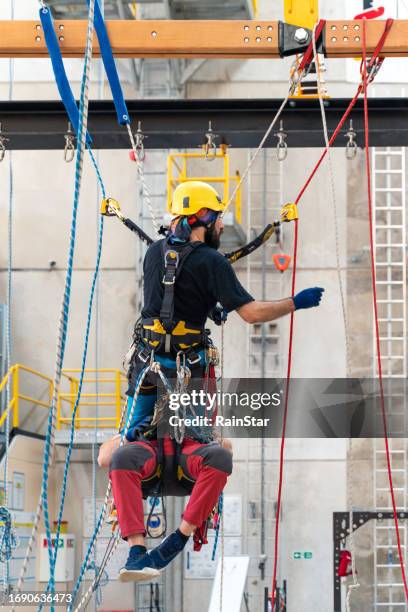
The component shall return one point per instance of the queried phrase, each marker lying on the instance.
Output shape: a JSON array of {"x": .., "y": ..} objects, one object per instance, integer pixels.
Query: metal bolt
[{"x": 301, "y": 35}]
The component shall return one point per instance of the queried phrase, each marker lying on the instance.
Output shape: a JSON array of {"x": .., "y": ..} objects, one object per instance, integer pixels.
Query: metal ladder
[
  {"x": 264, "y": 282},
  {"x": 388, "y": 183},
  {"x": 156, "y": 183}
]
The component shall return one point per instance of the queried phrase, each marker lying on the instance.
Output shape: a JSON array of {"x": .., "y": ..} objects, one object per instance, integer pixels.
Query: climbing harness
[{"x": 69, "y": 149}]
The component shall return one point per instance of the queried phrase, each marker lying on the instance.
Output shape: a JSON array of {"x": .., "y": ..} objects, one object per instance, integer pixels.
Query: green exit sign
[{"x": 303, "y": 555}]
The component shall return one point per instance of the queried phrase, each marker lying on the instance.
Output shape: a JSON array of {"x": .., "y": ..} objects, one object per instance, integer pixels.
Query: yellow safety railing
[
  {"x": 110, "y": 399},
  {"x": 14, "y": 376},
  {"x": 178, "y": 172}
]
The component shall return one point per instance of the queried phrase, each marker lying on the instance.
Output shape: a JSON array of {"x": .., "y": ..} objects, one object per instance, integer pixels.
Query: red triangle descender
[{"x": 281, "y": 261}]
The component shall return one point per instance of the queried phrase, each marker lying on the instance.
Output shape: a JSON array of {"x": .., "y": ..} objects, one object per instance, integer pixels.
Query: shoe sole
[{"x": 145, "y": 574}]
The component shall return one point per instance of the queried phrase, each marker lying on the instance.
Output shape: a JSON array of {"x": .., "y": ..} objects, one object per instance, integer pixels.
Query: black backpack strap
[{"x": 174, "y": 258}]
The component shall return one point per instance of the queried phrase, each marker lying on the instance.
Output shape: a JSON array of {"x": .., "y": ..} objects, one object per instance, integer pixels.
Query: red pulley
[
  {"x": 281, "y": 261},
  {"x": 344, "y": 564}
]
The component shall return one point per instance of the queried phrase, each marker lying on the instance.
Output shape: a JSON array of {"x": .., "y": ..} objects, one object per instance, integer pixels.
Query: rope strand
[{"x": 377, "y": 329}]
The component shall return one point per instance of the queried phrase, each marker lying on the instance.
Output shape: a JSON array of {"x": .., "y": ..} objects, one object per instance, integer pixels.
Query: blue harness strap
[
  {"x": 110, "y": 66},
  {"x": 61, "y": 79}
]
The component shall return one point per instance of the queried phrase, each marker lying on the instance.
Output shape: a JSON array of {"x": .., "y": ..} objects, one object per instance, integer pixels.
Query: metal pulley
[
  {"x": 282, "y": 145},
  {"x": 69, "y": 149},
  {"x": 3, "y": 141},
  {"x": 351, "y": 146}
]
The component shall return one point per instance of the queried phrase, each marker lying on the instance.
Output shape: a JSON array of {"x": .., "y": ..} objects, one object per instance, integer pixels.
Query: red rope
[
  {"x": 285, "y": 415},
  {"x": 362, "y": 87},
  {"x": 377, "y": 330}
]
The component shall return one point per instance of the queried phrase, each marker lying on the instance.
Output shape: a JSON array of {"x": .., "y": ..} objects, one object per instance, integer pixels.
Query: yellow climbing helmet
[{"x": 189, "y": 197}]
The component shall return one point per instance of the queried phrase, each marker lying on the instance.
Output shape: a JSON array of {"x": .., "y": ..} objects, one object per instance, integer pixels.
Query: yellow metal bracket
[
  {"x": 302, "y": 13},
  {"x": 289, "y": 213}
]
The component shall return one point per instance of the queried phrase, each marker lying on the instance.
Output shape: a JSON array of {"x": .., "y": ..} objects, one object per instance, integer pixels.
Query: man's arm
[{"x": 260, "y": 312}]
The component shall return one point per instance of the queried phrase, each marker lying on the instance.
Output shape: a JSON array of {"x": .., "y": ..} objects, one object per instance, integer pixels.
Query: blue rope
[
  {"x": 64, "y": 326},
  {"x": 8, "y": 540},
  {"x": 217, "y": 529},
  {"x": 6, "y": 572},
  {"x": 103, "y": 581},
  {"x": 102, "y": 512},
  {"x": 110, "y": 66}
]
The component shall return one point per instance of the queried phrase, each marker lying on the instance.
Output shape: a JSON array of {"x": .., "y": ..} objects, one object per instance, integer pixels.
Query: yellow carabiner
[
  {"x": 289, "y": 213},
  {"x": 110, "y": 207}
]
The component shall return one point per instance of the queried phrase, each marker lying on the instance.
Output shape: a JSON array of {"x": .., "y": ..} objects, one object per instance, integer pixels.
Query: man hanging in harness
[{"x": 185, "y": 278}]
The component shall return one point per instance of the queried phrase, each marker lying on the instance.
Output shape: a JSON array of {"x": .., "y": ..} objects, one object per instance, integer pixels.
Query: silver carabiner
[
  {"x": 210, "y": 147},
  {"x": 139, "y": 138},
  {"x": 69, "y": 149},
  {"x": 3, "y": 141},
  {"x": 282, "y": 145},
  {"x": 351, "y": 146}
]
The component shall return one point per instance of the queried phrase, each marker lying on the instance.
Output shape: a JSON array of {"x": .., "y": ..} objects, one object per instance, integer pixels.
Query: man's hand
[{"x": 308, "y": 298}]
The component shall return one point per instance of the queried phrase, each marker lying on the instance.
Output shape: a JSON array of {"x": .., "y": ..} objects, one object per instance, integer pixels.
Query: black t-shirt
[{"x": 206, "y": 278}]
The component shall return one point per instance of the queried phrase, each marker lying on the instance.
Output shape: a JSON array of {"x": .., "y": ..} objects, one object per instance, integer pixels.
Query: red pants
[{"x": 133, "y": 465}]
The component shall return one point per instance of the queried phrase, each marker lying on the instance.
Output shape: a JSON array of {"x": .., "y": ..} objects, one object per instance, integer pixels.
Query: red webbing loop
[
  {"x": 366, "y": 80},
  {"x": 361, "y": 87},
  {"x": 308, "y": 55},
  {"x": 374, "y": 58}
]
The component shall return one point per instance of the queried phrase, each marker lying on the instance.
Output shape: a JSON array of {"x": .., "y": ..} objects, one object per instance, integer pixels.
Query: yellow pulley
[
  {"x": 110, "y": 208},
  {"x": 289, "y": 213}
]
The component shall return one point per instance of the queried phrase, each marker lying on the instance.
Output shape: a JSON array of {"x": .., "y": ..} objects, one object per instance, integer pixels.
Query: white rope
[
  {"x": 140, "y": 171},
  {"x": 260, "y": 146},
  {"x": 355, "y": 584}
]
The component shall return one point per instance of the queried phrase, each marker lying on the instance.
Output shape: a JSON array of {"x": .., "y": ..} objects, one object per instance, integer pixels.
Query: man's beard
[{"x": 212, "y": 239}]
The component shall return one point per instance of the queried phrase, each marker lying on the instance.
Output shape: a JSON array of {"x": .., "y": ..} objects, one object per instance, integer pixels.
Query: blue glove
[
  {"x": 308, "y": 298},
  {"x": 218, "y": 314}
]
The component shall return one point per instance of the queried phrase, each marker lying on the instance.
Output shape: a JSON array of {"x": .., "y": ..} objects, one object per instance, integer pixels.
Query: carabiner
[
  {"x": 282, "y": 146},
  {"x": 210, "y": 147},
  {"x": 139, "y": 138},
  {"x": 69, "y": 149},
  {"x": 351, "y": 146},
  {"x": 3, "y": 140}
]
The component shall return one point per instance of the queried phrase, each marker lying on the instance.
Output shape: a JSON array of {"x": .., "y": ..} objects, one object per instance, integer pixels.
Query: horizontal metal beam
[
  {"x": 241, "y": 39},
  {"x": 182, "y": 124}
]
